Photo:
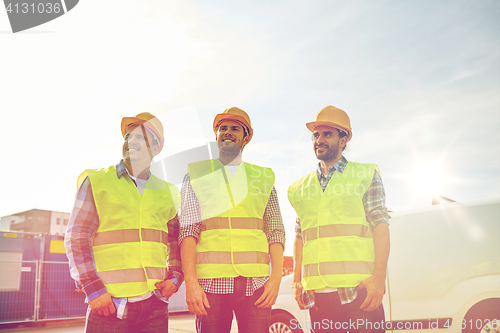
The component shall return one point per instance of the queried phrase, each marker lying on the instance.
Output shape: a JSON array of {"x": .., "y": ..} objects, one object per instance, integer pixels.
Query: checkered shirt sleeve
[
  {"x": 174, "y": 256},
  {"x": 83, "y": 223}
]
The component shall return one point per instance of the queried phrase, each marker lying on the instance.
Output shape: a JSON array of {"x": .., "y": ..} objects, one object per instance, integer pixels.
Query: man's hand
[
  {"x": 102, "y": 305},
  {"x": 375, "y": 284},
  {"x": 268, "y": 297},
  {"x": 167, "y": 288},
  {"x": 297, "y": 294},
  {"x": 196, "y": 299},
  {"x": 272, "y": 286},
  {"x": 374, "y": 292}
]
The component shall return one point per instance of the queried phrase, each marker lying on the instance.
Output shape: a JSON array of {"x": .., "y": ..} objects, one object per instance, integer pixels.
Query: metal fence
[{"x": 45, "y": 291}]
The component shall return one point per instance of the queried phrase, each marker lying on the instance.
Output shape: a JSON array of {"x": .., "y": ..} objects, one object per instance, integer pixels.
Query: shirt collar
[
  {"x": 121, "y": 170},
  {"x": 340, "y": 166}
]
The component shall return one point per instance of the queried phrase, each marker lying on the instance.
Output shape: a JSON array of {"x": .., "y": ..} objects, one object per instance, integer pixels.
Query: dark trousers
[
  {"x": 329, "y": 315},
  {"x": 220, "y": 314},
  {"x": 149, "y": 315}
]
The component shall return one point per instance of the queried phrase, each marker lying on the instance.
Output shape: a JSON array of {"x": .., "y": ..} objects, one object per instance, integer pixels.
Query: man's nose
[
  {"x": 319, "y": 139},
  {"x": 132, "y": 138}
]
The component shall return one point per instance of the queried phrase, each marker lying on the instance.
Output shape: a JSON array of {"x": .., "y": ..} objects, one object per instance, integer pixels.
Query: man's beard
[
  {"x": 229, "y": 148},
  {"x": 330, "y": 154}
]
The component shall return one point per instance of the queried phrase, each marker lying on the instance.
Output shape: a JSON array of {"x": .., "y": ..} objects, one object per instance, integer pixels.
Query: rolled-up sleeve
[
  {"x": 174, "y": 259},
  {"x": 190, "y": 216},
  {"x": 83, "y": 223},
  {"x": 273, "y": 222},
  {"x": 374, "y": 202}
]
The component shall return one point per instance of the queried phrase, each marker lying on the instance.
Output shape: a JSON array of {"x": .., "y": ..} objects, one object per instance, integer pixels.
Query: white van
[{"x": 443, "y": 272}]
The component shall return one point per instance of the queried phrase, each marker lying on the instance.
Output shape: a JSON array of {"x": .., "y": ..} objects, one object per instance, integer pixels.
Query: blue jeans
[
  {"x": 220, "y": 314},
  {"x": 329, "y": 315},
  {"x": 149, "y": 315}
]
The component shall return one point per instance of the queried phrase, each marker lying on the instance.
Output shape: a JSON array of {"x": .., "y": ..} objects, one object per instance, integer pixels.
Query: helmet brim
[{"x": 313, "y": 124}]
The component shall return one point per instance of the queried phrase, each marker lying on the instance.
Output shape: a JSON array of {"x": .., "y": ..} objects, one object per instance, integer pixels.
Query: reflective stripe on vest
[
  {"x": 222, "y": 257},
  {"x": 338, "y": 267},
  {"x": 336, "y": 230},
  {"x": 130, "y": 246},
  {"x": 133, "y": 275},
  {"x": 232, "y": 240},
  {"x": 236, "y": 223},
  {"x": 130, "y": 235},
  {"x": 338, "y": 241}
]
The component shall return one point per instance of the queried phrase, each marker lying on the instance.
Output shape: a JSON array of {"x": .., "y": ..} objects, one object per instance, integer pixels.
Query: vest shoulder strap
[
  {"x": 176, "y": 195},
  {"x": 201, "y": 168},
  {"x": 267, "y": 173},
  {"x": 298, "y": 183},
  {"x": 95, "y": 173},
  {"x": 368, "y": 167}
]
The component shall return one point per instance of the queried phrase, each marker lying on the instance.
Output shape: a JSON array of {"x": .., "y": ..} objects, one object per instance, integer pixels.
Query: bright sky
[{"x": 420, "y": 81}]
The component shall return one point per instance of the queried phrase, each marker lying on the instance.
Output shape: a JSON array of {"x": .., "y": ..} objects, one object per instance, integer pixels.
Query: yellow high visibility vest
[
  {"x": 232, "y": 240},
  {"x": 338, "y": 241},
  {"x": 130, "y": 246}
]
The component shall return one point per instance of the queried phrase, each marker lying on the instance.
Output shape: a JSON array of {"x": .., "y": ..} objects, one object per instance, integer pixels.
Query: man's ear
[
  {"x": 343, "y": 141},
  {"x": 156, "y": 149}
]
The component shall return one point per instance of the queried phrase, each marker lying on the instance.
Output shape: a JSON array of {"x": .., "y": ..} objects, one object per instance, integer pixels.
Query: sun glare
[{"x": 428, "y": 178}]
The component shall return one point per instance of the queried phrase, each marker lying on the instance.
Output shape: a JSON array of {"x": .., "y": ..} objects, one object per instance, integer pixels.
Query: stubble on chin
[{"x": 229, "y": 149}]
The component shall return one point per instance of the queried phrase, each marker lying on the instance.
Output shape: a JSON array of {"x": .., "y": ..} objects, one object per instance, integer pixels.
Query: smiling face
[
  {"x": 138, "y": 147},
  {"x": 327, "y": 143},
  {"x": 231, "y": 137}
]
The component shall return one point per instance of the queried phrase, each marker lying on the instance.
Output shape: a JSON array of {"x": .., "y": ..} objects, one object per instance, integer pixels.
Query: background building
[
  {"x": 287, "y": 265},
  {"x": 36, "y": 220}
]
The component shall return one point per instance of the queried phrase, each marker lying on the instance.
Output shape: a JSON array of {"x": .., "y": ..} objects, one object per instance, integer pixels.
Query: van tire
[
  {"x": 280, "y": 322},
  {"x": 478, "y": 317}
]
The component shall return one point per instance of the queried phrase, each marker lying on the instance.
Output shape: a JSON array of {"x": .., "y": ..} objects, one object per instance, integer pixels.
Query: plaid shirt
[
  {"x": 83, "y": 223},
  {"x": 375, "y": 210},
  {"x": 190, "y": 225}
]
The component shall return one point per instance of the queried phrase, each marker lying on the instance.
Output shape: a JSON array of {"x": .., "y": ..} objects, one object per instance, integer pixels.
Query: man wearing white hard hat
[
  {"x": 231, "y": 228},
  {"x": 121, "y": 240},
  {"x": 342, "y": 242}
]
